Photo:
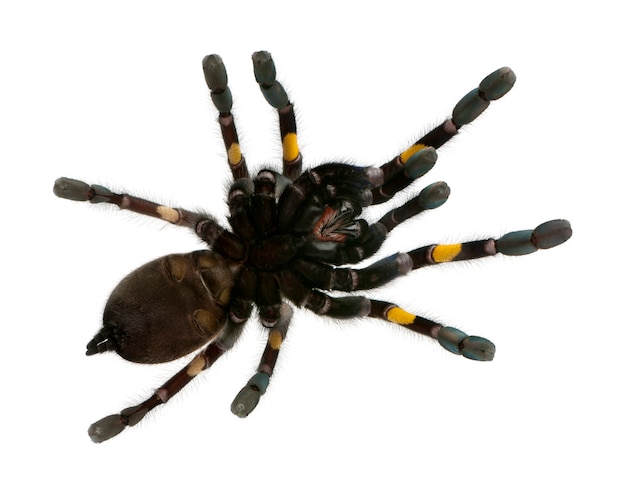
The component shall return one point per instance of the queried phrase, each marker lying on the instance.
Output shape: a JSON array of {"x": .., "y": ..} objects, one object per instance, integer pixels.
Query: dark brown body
[{"x": 169, "y": 307}]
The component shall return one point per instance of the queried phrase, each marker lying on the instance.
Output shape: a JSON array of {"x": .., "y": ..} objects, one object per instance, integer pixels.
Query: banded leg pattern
[
  {"x": 73, "y": 189},
  {"x": 220, "y": 239},
  {"x": 450, "y": 338},
  {"x": 516, "y": 243},
  {"x": 114, "y": 424},
  {"x": 217, "y": 81},
  {"x": 249, "y": 396},
  {"x": 323, "y": 276},
  {"x": 275, "y": 95},
  {"x": 402, "y": 171},
  {"x": 431, "y": 197}
]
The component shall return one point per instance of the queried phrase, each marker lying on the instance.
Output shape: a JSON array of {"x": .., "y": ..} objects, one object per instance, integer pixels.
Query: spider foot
[
  {"x": 421, "y": 162},
  {"x": 472, "y": 347},
  {"x": 217, "y": 80},
  {"x": 434, "y": 195},
  {"x": 112, "y": 425},
  {"x": 249, "y": 396},
  {"x": 79, "y": 191},
  {"x": 106, "y": 428},
  {"x": 545, "y": 236},
  {"x": 71, "y": 189},
  {"x": 265, "y": 75},
  {"x": 431, "y": 197},
  {"x": 493, "y": 87}
]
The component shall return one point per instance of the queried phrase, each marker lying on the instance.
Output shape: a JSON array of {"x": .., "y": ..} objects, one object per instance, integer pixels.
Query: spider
[{"x": 291, "y": 235}]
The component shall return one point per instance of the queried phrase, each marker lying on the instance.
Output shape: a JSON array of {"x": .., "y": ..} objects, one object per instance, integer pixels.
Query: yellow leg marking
[
  {"x": 196, "y": 366},
  {"x": 290, "y": 147},
  {"x": 399, "y": 316},
  {"x": 168, "y": 214},
  {"x": 445, "y": 253},
  {"x": 234, "y": 154},
  {"x": 275, "y": 340},
  {"x": 405, "y": 155}
]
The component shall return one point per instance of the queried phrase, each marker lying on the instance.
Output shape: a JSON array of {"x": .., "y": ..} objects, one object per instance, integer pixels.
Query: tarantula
[{"x": 292, "y": 235}]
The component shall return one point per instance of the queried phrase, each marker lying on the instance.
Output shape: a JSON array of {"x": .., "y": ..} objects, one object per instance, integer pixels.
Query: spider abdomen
[{"x": 167, "y": 308}]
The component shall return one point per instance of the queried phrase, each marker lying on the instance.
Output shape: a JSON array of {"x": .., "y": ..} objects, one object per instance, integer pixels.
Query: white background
[{"x": 113, "y": 93}]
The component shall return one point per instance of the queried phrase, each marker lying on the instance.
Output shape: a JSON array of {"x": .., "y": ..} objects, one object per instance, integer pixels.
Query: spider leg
[
  {"x": 268, "y": 299},
  {"x": 243, "y": 294},
  {"x": 238, "y": 205},
  {"x": 319, "y": 302},
  {"x": 327, "y": 277},
  {"x": 73, "y": 189},
  {"x": 314, "y": 274},
  {"x": 263, "y": 204},
  {"x": 109, "y": 426},
  {"x": 249, "y": 396},
  {"x": 220, "y": 239},
  {"x": 450, "y": 338},
  {"x": 217, "y": 80},
  {"x": 431, "y": 197},
  {"x": 517, "y": 243},
  {"x": 275, "y": 95},
  {"x": 406, "y": 167},
  {"x": 252, "y": 203}
]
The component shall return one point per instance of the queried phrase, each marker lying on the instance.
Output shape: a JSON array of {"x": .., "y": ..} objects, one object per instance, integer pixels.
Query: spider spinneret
[{"x": 292, "y": 235}]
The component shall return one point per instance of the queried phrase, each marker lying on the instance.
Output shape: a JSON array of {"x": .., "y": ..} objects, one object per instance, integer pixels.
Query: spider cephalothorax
[{"x": 292, "y": 235}]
